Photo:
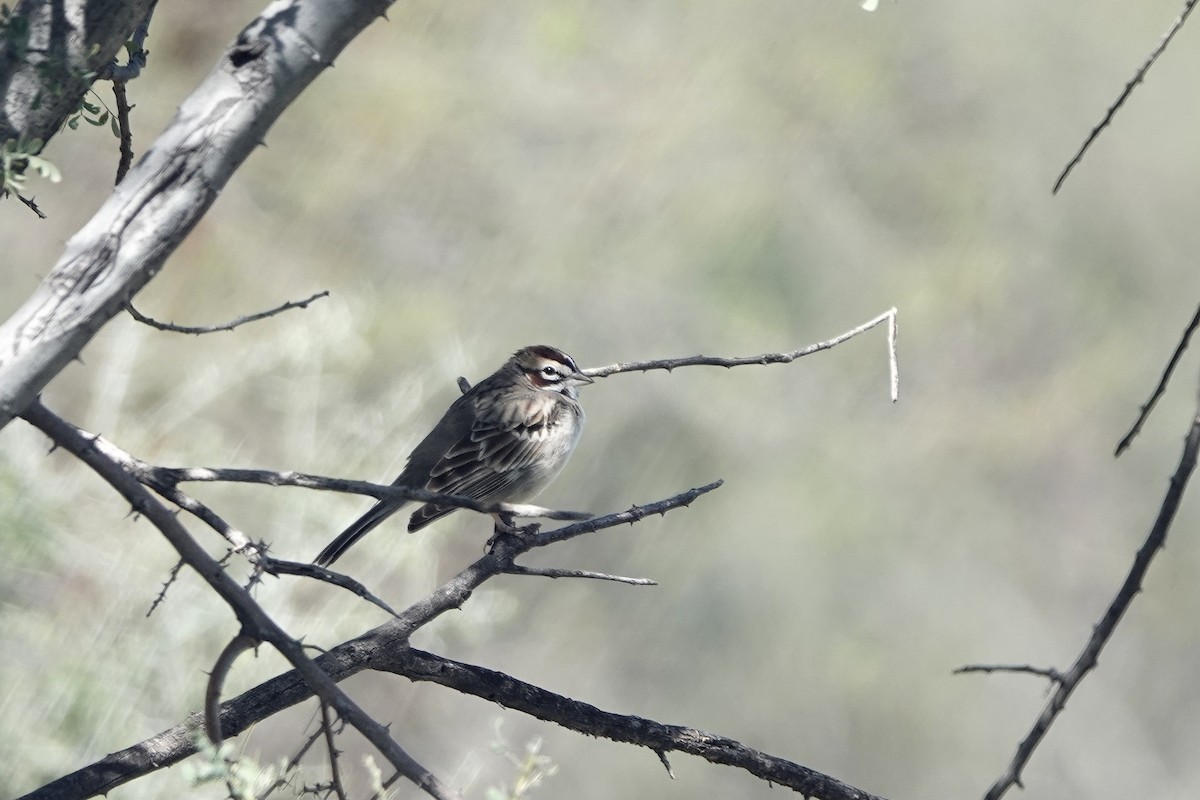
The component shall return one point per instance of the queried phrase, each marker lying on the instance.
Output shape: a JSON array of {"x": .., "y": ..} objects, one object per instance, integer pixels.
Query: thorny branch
[
  {"x": 255, "y": 622},
  {"x": 889, "y": 316},
  {"x": 197, "y": 330},
  {"x": 380, "y": 648},
  {"x": 1137, "y": 78},
  {"x": 1144, "y": 411},
  {"x": 1103, "y": 630}
]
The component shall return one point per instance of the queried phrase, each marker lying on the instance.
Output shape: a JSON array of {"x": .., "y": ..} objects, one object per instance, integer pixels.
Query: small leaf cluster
[
  {"x": 20, "y": 156},
  {"x": 92, "y": 114}
]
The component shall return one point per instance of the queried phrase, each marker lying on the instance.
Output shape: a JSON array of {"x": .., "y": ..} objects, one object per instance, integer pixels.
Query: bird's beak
[{"x": 579, "y": 379}]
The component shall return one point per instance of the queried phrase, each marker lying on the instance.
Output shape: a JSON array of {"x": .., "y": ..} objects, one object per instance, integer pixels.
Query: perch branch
[
  {"x": 339, "y": 663},
  {"x": 670, "y": 364},
  {"x": 255, "y": 622}
]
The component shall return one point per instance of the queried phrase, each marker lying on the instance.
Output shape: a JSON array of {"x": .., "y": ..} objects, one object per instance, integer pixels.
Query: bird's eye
[{"x": 549, "y": 372}]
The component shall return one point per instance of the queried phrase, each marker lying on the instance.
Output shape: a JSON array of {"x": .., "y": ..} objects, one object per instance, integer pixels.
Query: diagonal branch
[
  {"x": 1144, "y": 411},
  {"x": 1103, "y": 631},
  {"x": 255, "y": 622},
  {"x": 1137, "y": 78},
  {"x": 339, "y": 663}
]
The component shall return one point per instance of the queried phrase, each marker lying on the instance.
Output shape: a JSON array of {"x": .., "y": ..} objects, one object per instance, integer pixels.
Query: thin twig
[
  {"x": 335, "y": 775},
  {"x": 1144, "y": 411},
  {"x": 1104, "y": 629},
  {"x": 1049, "y": 673},
  {"x": 197, "y": 330},
  {"x": 275, "y": 566},
  {"x": 1138, "y": 77},
  {"x": 670, "y": 364},
  {"x": 162, "y": 594},
  {"x": 285, "y": 775},
  {"x": 552, "y": 572},
  {"x": 124, "y": 131},
  {"x": 30, "y": 204}
]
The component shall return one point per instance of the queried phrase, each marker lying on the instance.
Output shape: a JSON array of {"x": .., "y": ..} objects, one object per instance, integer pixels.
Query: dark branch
[
  {"x": 583, "y": 718},
  {"x": 339, "y": 663},
  {"x": 254, "y": 620},
  {"x": 1049, "y": 673},
  {"x": 31, "y": 205},
  {"x": 162, "y": 594},
  {"x": 1144, "y": 411},
  {"x": 216, "y": 679},
  {"x": 197, "y": 330},
  {"x": 124, "y": 132},
  {"x": 1104, "y": 629},
  {"x": 1138, "y": 77}
]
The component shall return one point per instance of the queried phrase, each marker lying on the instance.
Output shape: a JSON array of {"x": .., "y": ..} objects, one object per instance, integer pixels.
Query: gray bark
[
  {"x": 163, "y": 197},
  {"x": 49, "y": 52}
]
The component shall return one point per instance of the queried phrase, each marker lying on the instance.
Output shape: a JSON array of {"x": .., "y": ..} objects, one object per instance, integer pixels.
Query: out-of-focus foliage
[{"x": 635, "y": 180}]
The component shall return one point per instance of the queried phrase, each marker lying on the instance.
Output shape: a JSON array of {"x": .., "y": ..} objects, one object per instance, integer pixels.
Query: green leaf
[{"x": 112, "y": 121}]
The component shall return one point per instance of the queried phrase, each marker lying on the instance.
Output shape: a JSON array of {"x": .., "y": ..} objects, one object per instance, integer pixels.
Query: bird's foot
[{"x": 505, "y": 527}]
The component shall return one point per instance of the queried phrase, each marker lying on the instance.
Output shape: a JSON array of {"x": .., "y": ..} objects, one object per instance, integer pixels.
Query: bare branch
[
  {"x": 275, "y": 566},
  {"x": 1138, "y": 77},
  {"x": 216, "y": 679},
  {"x": 285, "y": 775},
  {"x": 1049, "y": 673},
  {"x": 1144, "y": 411},
  {"x": 335, "y": 775},
  {"x": 339, "y": 663},
  {"x": 255, "y": 622},
  {"x": 552, "y": 572},
  {"x": 1104, "y": 629},
  {"x": 587, "y": 719},
  {"x": 198, "y": 330},
  {"x": 670, "y": 364},
  {"x": 30, "y": 204},
  {"x": 162, "y": 594},
  {"x": 124, "y": 131}
]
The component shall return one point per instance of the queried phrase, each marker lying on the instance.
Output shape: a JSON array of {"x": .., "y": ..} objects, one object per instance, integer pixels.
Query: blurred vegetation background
[{"x": 640, "y": 180}]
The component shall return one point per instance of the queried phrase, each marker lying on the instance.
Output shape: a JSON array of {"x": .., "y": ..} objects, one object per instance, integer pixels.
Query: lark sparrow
[{"x": 502, "y": 441}]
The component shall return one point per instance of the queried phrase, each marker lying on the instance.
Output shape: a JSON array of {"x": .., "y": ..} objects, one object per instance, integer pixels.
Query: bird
[{"x": 503, "y": 440}]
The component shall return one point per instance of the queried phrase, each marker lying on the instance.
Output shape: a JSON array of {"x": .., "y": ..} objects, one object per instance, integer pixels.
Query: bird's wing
[{"x": 505, "y": 438}]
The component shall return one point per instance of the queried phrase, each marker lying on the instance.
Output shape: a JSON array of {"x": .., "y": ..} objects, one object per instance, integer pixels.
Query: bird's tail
[{"x": 360, "y": 528}]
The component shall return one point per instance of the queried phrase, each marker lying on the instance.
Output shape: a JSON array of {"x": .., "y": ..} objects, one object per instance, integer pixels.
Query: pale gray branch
[
  {"x": 162, "y": 198},
  {"x": 669, "y": 364}
]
